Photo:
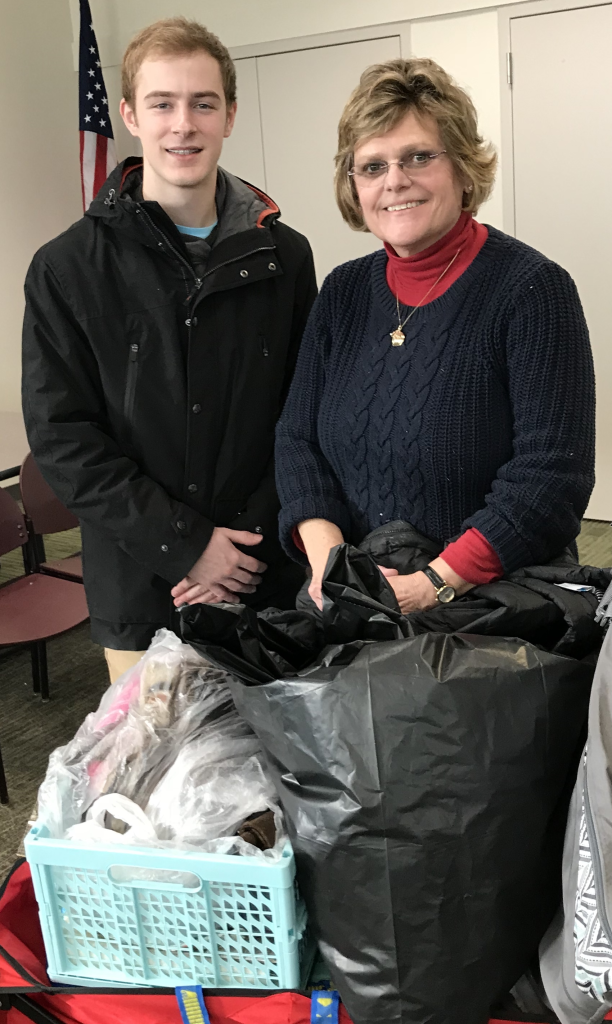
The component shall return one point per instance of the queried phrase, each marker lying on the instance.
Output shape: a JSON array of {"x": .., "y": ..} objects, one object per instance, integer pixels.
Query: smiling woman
[
  {"x": 418, "y": 393},
  {"x": 407, "y": 188}
]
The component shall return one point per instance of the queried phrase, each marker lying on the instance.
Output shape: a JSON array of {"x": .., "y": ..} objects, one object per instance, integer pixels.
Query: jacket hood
[{"x": 240, "y": 206}]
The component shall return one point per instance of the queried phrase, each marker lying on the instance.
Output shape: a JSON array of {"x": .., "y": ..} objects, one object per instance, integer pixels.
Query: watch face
[{"x": 446, "y": 594}]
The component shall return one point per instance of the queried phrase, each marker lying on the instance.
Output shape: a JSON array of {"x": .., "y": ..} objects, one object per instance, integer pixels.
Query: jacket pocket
[{"x": 130, "y": 383}]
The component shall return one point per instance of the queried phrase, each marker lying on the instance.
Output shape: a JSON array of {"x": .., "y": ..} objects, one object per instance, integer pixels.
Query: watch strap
[{"x": 436, "y": 579}]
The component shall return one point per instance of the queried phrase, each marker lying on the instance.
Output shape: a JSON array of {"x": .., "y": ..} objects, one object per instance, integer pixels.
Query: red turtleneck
[{"x": 410, "y": 278}]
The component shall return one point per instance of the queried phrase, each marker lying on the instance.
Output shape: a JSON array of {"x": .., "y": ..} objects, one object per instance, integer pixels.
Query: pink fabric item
[{"x": 121, "y": 706}]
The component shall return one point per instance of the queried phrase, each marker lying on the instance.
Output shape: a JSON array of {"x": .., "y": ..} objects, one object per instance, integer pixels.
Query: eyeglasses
[{"x": 412, "y": 165}]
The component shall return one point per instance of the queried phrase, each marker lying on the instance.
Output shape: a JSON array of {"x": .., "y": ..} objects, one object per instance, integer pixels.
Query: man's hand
[
  {"x": 190, "y": 592},
  {"x": 222, "y": 571}
]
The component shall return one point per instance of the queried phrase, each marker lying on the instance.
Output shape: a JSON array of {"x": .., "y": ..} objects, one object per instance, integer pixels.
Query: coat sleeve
[
  {"x": 263, "y": 504},
  {"x": 71, "y": 440},
  {"x": 539, "y": 496},
  {"x": 307, "y": 485}
]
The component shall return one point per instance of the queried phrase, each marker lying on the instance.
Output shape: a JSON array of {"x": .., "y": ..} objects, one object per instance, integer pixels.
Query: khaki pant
[{"x": 120, "y": 661}]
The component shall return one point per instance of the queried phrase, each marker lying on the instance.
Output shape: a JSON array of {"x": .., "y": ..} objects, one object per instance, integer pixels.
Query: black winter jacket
[{"x": 150, "y": 396}]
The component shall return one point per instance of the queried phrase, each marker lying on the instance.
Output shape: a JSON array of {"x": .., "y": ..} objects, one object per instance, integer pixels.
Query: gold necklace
[{"x": 397, "y": 336}]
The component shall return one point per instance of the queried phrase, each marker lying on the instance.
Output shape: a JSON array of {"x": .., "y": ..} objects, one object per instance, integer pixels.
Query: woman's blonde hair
[{"x": 385, "y": 94}]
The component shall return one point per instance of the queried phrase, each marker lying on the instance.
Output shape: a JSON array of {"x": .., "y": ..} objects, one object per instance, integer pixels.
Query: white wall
[
  {"x": 467, "y": 47},
  {"x": 239, "y": 22},
  {"x": 39, "y": 168}
]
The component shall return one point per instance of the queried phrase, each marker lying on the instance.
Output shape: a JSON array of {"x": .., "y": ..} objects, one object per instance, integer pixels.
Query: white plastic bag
[{"x": 139, "y": 831}]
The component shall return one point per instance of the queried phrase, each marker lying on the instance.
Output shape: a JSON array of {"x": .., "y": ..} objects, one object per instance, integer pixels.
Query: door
[
  {"x": 562, "y": 135},
  {"x": 243, "y": 151},
  {"x": 302, "y": 95}
]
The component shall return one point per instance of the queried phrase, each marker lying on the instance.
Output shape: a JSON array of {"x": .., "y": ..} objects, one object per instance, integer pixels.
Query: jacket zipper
[
  {"x": 597, "y": 871},
  {"x": 197, "y": 280},
  {"x": 175, "y": 252},
  {"x": 130, "y": 384}
]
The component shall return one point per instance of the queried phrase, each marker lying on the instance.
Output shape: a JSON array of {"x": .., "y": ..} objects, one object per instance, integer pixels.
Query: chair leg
[
  {"x": 40, "y": 674},
  {"x": 4, "y": 797},
  {"x": 39, "y": 546},
  {"x": 35, "y": 668}
]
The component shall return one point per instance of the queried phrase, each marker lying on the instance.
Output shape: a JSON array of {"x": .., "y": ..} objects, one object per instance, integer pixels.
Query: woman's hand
[
  {"x": 414, "y": 593},
  {"x": 318, "y": 536},
  {"x": 388, "y": 573},
  {"x": 315, "y": 592}
]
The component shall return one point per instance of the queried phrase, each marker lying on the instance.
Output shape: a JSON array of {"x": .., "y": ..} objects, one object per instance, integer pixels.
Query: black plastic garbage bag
[
  {"x": 531, "y": 603},
  {"x": 423, "y": 776}
]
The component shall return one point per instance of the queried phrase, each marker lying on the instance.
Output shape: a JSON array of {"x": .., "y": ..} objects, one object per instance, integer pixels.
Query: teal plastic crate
[{"x": 207, "y": 919}]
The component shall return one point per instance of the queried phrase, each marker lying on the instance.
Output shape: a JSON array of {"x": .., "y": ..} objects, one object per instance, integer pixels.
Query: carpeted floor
[{"x": 30, "y": 730}]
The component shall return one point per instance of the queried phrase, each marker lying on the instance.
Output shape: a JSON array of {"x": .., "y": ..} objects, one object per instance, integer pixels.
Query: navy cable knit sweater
[{"x": 484, "y": 417}]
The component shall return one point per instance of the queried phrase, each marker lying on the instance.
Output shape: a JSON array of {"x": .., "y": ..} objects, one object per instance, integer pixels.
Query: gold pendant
[{"x": 398, "y": 337}]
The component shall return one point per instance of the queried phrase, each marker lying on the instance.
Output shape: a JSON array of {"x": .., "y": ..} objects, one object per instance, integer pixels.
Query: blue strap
[
  {"x": 191, "y": 1004},
  {"x": 324, "y": 1007}
]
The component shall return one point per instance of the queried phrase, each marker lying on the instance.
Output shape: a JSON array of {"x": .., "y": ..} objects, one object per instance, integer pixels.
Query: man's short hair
[{"x": 175, "y": 37}]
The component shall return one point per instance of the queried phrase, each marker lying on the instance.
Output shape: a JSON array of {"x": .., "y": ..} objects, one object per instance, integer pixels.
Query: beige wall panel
[
  {"x": 302, "y": 95},
  {"x": 39, "y": 169},
  {"x": 562, "y": 113},
  {"x": 243, "y": 151},
  {"x": 239, "y": 22},
  {"x": 467, "y": 47},
  {"x": 125, "y": 143},
  {"x": 13, "y": 440}
]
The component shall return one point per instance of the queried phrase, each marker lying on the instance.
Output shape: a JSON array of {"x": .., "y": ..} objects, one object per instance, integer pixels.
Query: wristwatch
[{"x": 444, "y": 592}]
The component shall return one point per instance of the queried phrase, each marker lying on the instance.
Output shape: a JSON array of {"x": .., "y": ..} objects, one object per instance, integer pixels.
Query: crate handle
[{"x": 163, "y": 879}]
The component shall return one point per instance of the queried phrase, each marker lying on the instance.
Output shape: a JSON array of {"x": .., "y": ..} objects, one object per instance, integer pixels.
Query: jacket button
[
  {"x": 271, "y": 266},
  {"x": 164, "y": 547},
  {"x": 196, "y": 408},
  {"x": 258, "y": 529},
  {"x": 160, "y": 245},
  {"x": 134, "y": 347},
  {"x": 187, "y": 323},
  {"x": 181, "y": 524},
  {"x": 244, "y": 273},
  {"x": 192, "y": 488}
]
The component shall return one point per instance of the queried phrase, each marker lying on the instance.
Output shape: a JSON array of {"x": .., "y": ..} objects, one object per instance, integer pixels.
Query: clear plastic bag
[
  {"x": 216, "y": 796},
  {"x": 166, "y": 746}
]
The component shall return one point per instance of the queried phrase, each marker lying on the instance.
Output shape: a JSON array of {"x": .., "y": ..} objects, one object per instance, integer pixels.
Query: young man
[{"x": 160, "y": 336}]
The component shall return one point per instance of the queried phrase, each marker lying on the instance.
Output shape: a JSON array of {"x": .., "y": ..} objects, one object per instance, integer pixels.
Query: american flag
[{"x": 98, "y": 155}]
